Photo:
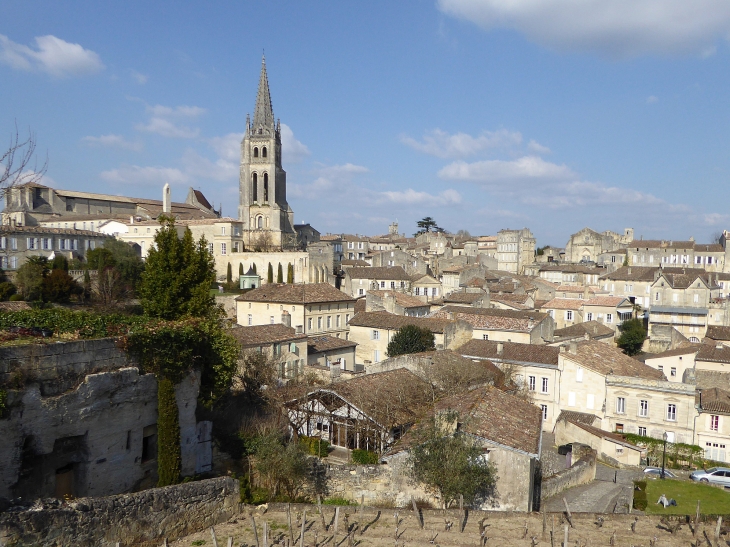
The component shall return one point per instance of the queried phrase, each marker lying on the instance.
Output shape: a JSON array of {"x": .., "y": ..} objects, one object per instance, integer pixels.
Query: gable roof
[
  {"x": 464, "y": 297},
  {"x": 715, "y": 400},
  {"x": 605, "y": 359},
  {"x": 392, "y": 273},
  {"x": 608, "y": 301},
  {"x": 261, "y": 335},
  {"x": 511, "y": 352},
  {"x": 301, "y": 293},
  {"x": 631, "y": 273},
  {"x": 497, "y": 416},
  {"x": 563, "y": 304},
  {"x": 493, "y": 318},
  {"x": 390, "y": 321},
  {"x": 598, "y": 432},
  {"x": 580, "y": 417},
  {"x": 594, "y": 329},
  {"x": 717, "y": 332},
  {"x": 684, "y": 350},
  {"x": 714, "y": 353},
  {"x": 405, "y": 300},
  {"x": 316, "y": 344}
]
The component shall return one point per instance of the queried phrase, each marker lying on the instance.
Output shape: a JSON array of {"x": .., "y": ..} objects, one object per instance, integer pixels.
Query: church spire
[{"x": 263, "y": 114}]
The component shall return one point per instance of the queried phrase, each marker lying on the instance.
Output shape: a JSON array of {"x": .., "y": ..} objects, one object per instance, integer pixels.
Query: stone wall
[
  {"x": 141, "y": 519},
  {"x": 71, "y": 429},
  {"x": 60, "y": 366},
  {"x": 582, "y": 471}
]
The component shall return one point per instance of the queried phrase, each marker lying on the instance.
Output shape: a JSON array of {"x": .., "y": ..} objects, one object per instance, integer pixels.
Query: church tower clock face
[{"x": 263, "y": 208}]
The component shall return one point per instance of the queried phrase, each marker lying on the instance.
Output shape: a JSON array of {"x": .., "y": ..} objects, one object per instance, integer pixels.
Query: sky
[{"x": 483, "y": 114}]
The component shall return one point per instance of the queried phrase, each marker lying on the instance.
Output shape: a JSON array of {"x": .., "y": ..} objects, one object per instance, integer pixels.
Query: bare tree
[
  {"x": 15, "y": 162},
  {"x": 263, "y": 242}
]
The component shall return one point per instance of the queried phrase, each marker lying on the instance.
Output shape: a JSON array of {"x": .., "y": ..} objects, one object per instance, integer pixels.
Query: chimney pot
[
  {"x": 562, "y": 349},
  {"x": 573, "y": 349},
  {"x": 500, "y": 348}
]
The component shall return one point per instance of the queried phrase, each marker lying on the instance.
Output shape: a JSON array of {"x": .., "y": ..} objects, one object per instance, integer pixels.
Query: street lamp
[{"x": 664, "y": 453}]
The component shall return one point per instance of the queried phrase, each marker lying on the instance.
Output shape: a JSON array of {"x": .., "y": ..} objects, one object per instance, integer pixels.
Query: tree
[
  {"x": 15, "y": 162},
  {"x": 450, "y": 464},
  {"x": 29, "y": 278},
  {"x": 229, "y": 273},
  {"x": 279, "y": 274},
  {"x": 178, "y": 275},
  {"x": 270, "y": 274},
  {"x": 426, "y": 224},
  {"x": 279, "y": 466},
  {"x": 263, "y": 242},
  {"x": 290, "y": 274},
  {"x": 256, "y": 370},
  {"x": 632, "y": 336},
  {"x": 59, "y": 262},
  {"x": 411, "y": 339},
  {"x": 58, "y": 286},
  {"x": 240, "y": 268},
  {"x": 169, "y": 457}
]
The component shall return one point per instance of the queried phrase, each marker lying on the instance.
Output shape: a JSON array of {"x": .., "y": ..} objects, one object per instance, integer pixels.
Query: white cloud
[
  {"x": 51, "y": 55},
  {"x": 183, "y": 111},
  {"x": 461, "y": 145},
  {"x": 616, "y": 28},
  {"x": 537, "y": 148},
  {"x": 112, "y": 141},
  {"x": 197, "y": 166},
  {"x": 413, "y": 197},
  {"x": 496, "y": 171},
  {"x": 134, "y": 174},
  {"x": 717, "y": 219},
  {"x": 228, "y": 147},
  {"x": 328, "y": 177},
  {"x": 140, "y": 78},
  {"x": 166, "y": 128},
  {"x": 293, "y": 151},
  {"x": 651, "y": 99}
]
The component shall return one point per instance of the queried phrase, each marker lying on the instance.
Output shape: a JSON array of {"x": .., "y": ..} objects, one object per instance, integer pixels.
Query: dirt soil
[{"x": 377, "y": 528}]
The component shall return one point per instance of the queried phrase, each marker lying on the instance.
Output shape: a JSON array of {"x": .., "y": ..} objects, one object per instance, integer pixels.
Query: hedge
[
  {"x": 314, "y": 446},
  {"x": 640, "y": 499},
  {"x": 364, "y": 457}
]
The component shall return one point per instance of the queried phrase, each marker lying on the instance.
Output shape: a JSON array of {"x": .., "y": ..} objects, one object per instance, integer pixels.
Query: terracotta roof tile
[
  {"x": 497, "y": 416},
  {"x": 261, "y": 335},
  {"x": 605, "y": 359},
  {"x": 389, "y": 321},
  {"x": 715, "y": 400},
  {"x": 610, "y": 301},
  {"x": 579, "y": 417},
  {"x": 464, "y": 297},
  {"x": 716, "y": 332},
  {"x": 593, "y": 328},
  {"x": 711, "y": 352},
  {"x": 492, "y": 318},
  {"x": 405, "y": 300},
  {"x": 563, "y": 304},
  {"x": 511, "y": 352},
  {"x": 301, "y": 293},
  {"x": 315, "y": 344},
  {"x": 393, "y": 273}
]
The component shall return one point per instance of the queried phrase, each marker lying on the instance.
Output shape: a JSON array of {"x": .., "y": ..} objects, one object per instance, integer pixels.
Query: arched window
[
  {"x": 256, "y": 152},
  {"x": 266, "y": 187},
  {"x": 255, "y": 191},
  {"x": 263, "y": 152},
  {"x": 260, "y": 222}
]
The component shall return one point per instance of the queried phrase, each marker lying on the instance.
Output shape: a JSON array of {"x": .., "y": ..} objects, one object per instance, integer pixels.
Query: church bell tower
[{"x": 262, "y": 185}]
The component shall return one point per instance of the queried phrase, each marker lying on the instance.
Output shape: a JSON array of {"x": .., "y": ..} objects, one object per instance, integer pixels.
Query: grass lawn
[{"x": 713, "y": 500}]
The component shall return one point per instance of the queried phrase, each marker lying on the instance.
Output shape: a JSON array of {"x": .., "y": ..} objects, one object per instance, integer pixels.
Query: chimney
[
  {"x": 131, "y": 219},
  {"x": 587, "y": 336},
  {"x": 286, "y": 318},
  {"x": 166, "y": 198},
  {"x": 573, "y": 348},
  {"x": 629, "y": 270},
  {"x": 562, "y": 349},
  {"x": 500, "y": 348}
]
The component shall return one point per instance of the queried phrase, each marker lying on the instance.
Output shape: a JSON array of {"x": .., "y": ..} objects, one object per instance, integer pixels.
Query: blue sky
[{"x": 485, "y": 114}]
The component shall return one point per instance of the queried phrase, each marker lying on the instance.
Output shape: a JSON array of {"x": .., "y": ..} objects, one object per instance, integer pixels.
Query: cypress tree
[
  {"x": 290, "y": 274},
  {"x": 240, "y": 268},
  {"x": 279, "y": 274},
  {"x": 270, "y": 276},
  {"x": 254, "y": 269},
  {"x": 169, "y": 459},
  {"x": 229, "y": 273}
]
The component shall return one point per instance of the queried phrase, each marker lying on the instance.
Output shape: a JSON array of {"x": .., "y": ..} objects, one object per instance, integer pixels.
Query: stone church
[{"x": 266, "y": 216}]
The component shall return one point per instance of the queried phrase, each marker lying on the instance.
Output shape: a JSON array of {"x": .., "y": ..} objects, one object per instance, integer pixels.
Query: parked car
[
  {"x": 714, "y": 475},
  {"x": 655, "y": 472}
]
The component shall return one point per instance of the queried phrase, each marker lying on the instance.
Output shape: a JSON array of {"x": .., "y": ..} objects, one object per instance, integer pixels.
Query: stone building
[
  {"x": 283, "y": 346},
  {"x": 526, "y": 327},
  {"x": 713, "y": 257},
  {"x": 18, "y": 243},
  {"x": 587, "y": 245},
  {"x": 263, "y": 208},
  {"x": 396, "y": 302},
  {"x": 515, "y": 249},
  {"x": 358, "y": 281},
  {"x": 311, "y": 308},
  {"x": 333, "y": 355}
]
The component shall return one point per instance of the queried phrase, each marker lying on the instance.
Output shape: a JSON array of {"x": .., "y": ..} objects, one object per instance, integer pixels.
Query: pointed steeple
[{"x": 263, "y": 114}]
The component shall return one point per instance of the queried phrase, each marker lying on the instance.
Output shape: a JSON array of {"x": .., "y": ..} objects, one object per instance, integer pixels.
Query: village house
[
  {"x": 396, "y": 302},
  {"x": 713, "y": 423},
  {"x": 587, "y": 330},
  {"x": 526, "y": 327},
  {"x": 512, "y": 301},
  {"x": 515, "y": 250},
  {"x": 473, "y": 298},
  {"x": 571, "y": 274},
  {"x": 332, "y": 354},
  {"x": 533, "y": 367},
  {"x": 396, "y": 257},
  {"x": 367, "y": 412},
  {"x": 373, "y": 331},
  {"x": 690, "y": 322},
  {"x": 612, "y": 311},
  {"x": 632, "y": 282},
  {"x": 311, "y": 308},
  {"x": 564, "y": 311},
  {"x": 508, "y": 429},
  {"x": 718, "y": 334},
  {"x": 612, "y": 260},
  {"x": 426, "y": 287},
  {"x": 455, "y": 277},
  {"x": 676, "y": 363},
  {"x": 355, "y": 246},
  {"x": 18, "y": 243},
  {"x": 358, "y": 281},
  {"x": 612, "y": 448},
  {"x": 689, "y": 254},
  {"x": 282, "y": 345}
]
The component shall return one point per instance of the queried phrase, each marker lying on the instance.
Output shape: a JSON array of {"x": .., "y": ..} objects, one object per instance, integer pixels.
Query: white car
[{"x": 656, "y": 472}]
